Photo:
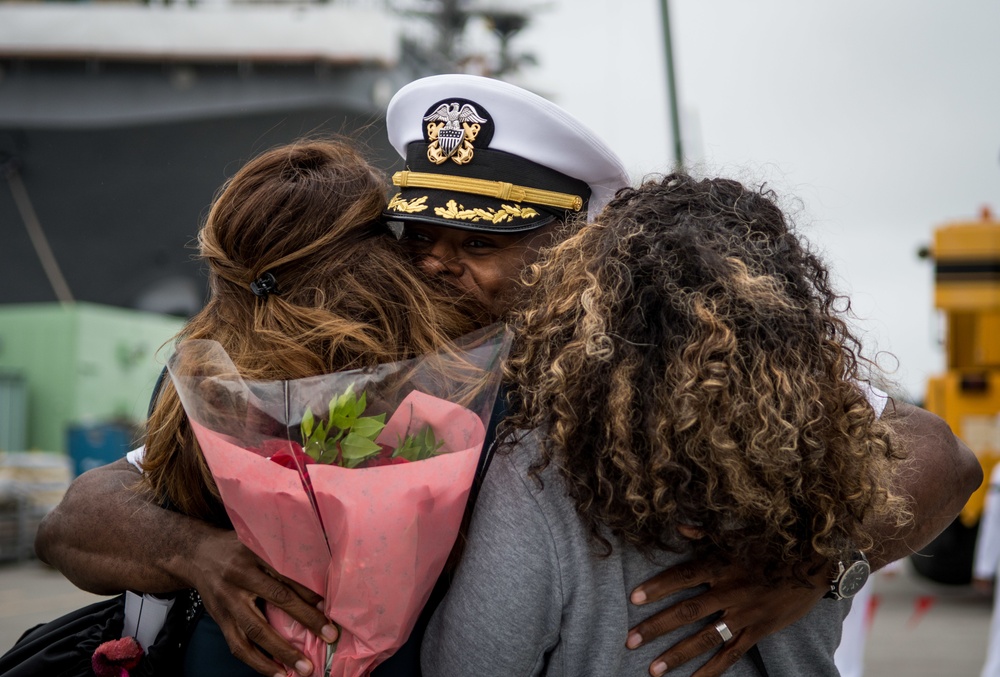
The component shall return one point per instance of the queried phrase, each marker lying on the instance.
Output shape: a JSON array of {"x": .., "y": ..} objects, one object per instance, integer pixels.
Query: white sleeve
[
  {"x": 988, "y": 543},
  {"x": 876, "y": 398},
  {"x": 135, "y": 457}
]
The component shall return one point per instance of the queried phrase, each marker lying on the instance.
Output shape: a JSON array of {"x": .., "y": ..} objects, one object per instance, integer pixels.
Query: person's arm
[
  {"x": 942, "y": 472},
  {"x": 502, "y": 612},
  {"x": 108, "y": 535}
]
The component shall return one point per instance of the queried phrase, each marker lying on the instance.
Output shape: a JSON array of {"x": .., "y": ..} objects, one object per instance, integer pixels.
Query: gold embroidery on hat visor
[
  {"x": 496, "y": 189},
  {"x": 453, "y": 210},
  {"x": 398, "y": 204}
]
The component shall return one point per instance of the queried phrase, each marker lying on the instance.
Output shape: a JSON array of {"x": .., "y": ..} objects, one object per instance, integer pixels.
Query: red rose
[
  {"x": 285, "y": 453},
  {"x": 385, "y": 458},
  {"x": 290, "y": 455}
]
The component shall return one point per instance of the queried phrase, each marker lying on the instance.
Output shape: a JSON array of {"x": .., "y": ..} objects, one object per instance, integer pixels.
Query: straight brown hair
[{"x": 307, "y": 213}]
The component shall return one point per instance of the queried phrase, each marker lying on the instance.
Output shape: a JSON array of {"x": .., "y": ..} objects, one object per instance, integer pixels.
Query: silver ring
[{"x": 723, "y": 631}]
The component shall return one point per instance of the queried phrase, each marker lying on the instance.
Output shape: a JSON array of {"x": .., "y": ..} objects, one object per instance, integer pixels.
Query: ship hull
[
  {"x": 120, "y": 206},
  {"x": 120, "y": 158}
]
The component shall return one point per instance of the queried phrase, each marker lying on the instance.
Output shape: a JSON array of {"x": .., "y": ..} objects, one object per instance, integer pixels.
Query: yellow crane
[{"x": 966, "y": 257}]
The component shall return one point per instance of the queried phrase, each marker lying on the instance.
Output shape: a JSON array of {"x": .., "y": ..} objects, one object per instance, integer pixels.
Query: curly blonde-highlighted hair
[
  {"x": 347, "y": 296},
  {"x": 686, "y": 359}
]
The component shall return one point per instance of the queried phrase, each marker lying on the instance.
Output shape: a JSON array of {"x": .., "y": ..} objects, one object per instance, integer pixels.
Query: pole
[
  {"x": 31, "y": 223},
  {"x": 675, "y": 122}
]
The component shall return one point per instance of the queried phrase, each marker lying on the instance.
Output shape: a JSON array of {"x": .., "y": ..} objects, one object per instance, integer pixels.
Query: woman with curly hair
[{"x": 683, "y": 369}]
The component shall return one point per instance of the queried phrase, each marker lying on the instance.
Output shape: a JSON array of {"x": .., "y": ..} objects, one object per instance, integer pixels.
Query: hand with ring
[{"x": 752, "y": 611}]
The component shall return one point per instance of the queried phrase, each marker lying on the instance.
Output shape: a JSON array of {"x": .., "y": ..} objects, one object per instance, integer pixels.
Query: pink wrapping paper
[{"x": 381, "y": 536}]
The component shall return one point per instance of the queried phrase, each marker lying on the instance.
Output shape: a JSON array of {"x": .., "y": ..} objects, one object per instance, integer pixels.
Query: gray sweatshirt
[{"x": 531, "y": 597}]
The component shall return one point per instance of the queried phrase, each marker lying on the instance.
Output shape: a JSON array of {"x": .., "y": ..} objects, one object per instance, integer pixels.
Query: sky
[{"x": 874, "y": 121}]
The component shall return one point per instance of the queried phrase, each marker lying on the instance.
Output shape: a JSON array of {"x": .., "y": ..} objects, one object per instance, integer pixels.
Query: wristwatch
[{"x": 850, "y": 577}]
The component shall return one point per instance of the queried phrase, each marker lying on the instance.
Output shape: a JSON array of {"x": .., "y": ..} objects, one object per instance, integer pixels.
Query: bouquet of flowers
[{"x": 352, "y": 484}]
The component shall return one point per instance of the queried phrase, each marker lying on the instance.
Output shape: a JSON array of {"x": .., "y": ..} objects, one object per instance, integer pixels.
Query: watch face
[{"x": 854, "y": 579}]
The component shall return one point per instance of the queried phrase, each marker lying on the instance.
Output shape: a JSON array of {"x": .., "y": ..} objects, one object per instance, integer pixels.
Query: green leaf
[
  {"x": 418, "y": 447},
  {"x": 354, "y": 446},
  {"x": 307, "y": 423},
  {"x": 404, "y": 448},
  {"x": 348, "y": 400},
  {"x": 320, "y": 433},
  {"x": 355, "y": 462},
  {"x": 342, "y": 421},
  {"x": 330, "y": 451},
  {"x": 430, "y": 442},
  {"x": 361, "y": 405},
  {"x": 313, "y": 449},
  {"x": 367, "y": 426},
  {"x": 343, "y": 405}
]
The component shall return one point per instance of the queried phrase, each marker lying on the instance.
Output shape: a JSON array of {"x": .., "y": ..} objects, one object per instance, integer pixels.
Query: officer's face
[{"x": 486, "y": 265}]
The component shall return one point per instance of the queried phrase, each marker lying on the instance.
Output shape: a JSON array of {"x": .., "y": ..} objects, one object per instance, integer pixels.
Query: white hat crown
[{"x": 523, "y": 125}]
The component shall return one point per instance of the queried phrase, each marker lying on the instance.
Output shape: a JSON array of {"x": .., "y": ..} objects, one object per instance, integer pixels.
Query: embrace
[{"x": 687, "y": 471}]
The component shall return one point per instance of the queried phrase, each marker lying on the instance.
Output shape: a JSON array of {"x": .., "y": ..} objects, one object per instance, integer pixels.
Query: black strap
[
  {"x": 499, "y": 413},
  {"x": 156, "y": 391},
  {"x": 757, "y": 660}
]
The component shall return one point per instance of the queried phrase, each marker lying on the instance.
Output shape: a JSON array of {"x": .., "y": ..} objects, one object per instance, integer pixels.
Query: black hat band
[
  {"x": 495, "y": 192},
  {"x": 491, "y": 165}
]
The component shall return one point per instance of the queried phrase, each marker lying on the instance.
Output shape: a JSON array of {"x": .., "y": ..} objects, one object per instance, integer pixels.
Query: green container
[
  {"x": 13, "y": 412},
  {"x": 83, "y": 364}
]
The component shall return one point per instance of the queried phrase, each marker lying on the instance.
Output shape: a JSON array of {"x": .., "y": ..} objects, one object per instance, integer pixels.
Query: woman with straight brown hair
[{"x": 303, "y": 282}]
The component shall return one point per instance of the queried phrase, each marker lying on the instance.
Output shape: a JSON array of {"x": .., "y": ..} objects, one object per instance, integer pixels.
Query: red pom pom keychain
[{"x": 116, "y": 657}]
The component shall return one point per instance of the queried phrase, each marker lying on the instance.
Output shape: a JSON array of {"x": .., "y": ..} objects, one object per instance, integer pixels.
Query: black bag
[{"x": 65, "y": 646}]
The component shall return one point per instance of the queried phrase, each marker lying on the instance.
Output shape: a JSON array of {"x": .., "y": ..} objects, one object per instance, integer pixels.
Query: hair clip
[{"x": 264, "y": 285}]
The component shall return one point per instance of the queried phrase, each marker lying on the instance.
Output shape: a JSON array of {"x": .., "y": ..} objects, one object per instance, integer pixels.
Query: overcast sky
[{"x": 879, "y": 120}]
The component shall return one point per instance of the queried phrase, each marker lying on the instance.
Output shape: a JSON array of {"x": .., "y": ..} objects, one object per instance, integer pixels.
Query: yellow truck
[{"x": 966, "y": 257}]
